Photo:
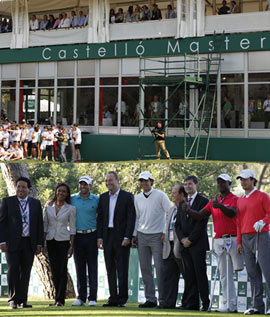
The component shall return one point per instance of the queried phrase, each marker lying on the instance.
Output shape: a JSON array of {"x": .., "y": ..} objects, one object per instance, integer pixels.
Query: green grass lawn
[{"x": 41, "y": 308}]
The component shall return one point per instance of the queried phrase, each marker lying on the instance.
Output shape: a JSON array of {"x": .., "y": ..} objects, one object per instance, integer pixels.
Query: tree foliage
[{"x": 46, "y": 176}]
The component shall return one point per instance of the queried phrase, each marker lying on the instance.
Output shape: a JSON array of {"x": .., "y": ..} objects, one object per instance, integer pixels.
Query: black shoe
[
  {"x": 25, "y": 305},
  {"x": 148, "y": 304},
  {"x": 189, "y": 308},
  {"x": 58, "y": 304},
  {"x": 52, "y": 304},
  {"x": 204, "y": 308},
  {"x": 165, "y": 307},
  {"x": 110, "y": 304},
  {"x": 121, "y": 305},
  {"x": 13, "y": 305}
]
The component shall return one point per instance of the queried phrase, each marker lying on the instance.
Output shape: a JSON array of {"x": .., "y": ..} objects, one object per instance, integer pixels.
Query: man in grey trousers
[
  {"x": 253, "y": 212},
  {"x": 151, "y": 206}
]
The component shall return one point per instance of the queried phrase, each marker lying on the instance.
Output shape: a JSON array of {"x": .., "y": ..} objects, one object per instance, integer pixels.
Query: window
[
  {"x": 258, "y": 108},
  {"x": 85, "y": 106},
  {"x": 65, "y": 105},
  {"x": 45, "y": 107}
]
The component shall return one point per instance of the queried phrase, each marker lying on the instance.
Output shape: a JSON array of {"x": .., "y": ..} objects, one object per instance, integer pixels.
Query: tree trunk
[{"x": 10, "y": 173}]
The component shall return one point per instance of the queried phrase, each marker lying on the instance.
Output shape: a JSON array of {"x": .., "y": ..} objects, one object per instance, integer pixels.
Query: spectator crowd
[
  {"x": 140, "y": 14},
  {"x": 60, "y": 22},
  {"x": 21, "y": 141},
  {"x": 63, "y": 21},
  {"x": 5, "y": 25}
]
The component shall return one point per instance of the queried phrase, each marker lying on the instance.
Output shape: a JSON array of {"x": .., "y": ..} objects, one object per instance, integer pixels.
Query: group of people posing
[
  {"x": 20, "y": 141},
  {"x": 174, "y": 235}
]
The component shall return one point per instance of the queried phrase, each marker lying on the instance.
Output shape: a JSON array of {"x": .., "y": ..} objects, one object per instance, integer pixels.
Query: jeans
[{"x": 61, "y": 151}]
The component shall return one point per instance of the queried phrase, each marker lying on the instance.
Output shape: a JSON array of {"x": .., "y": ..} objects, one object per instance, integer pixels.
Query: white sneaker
[
  {"x": 222, "y": 310},
  {"x": 92, "y": 303},
  {"x": 78, "y": 302},
  {"x": 251, "y": 311},
  {"x": 268, "y": 312}
]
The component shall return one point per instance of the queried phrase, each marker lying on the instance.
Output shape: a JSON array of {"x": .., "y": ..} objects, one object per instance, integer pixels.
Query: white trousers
[{"x": 228, "y": 262}]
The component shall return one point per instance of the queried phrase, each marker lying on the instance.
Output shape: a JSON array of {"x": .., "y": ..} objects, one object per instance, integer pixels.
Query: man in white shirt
[
  {"x": 266, "y": 109},
  {"x": 65, "y": 22},
  {"x": 151, "y": 206},
  {"x": 34, "y": 25},
  {"x": 77, "y": 136},
  {"x": 123, "y": 111},
  {"x": 115, "y": 225}
]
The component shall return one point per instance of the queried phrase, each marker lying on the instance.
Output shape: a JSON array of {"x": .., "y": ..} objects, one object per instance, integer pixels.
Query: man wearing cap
[
  {"x": 115, "y": 225},
  {"x": 85, "y": 245},
  {"x": 253, "y": 212},
  {"x": 194, "y": 243},
  {"x": 223, "y": 210},
  {"x": 151, "y": 206}
]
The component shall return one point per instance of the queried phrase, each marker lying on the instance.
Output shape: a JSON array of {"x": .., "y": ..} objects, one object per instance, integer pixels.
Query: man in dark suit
[
  {"x": 115, "y": 225},
  {"x": 172, "y": 259},
  {"x": 194, "y": 243},
  {"x": 21, "y": 237}
]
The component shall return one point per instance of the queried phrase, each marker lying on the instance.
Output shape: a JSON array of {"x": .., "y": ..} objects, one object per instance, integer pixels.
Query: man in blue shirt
[
  {"x": 85, "y": 246},
  {"x": 81, "y": 19}
]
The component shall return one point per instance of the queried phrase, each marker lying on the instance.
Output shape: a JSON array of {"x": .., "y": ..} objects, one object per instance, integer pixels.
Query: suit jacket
[
  {"x": 124, "y": 216},
  {"x": 11, "y": 223},
  {"x": 196, "y": 231},
  {"x": 60, "y": 226},
  {"x": 166, "y": 243}
]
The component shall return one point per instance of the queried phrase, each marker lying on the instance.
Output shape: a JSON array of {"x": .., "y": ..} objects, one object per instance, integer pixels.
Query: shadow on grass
[{"x": 41, "y": 308}]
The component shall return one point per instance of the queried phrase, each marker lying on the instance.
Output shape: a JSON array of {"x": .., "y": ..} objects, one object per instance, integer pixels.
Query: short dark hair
[
  {"x": 192, "y": 178},
  {"x": 114, "y": 174},
  {"x": 234, "y": 2},
  {"x": 181, "y": 190},
  {"x": 24, "y": 179},
  {"x": 67, "y": 200},
  {"x": 255, "y": 181}
]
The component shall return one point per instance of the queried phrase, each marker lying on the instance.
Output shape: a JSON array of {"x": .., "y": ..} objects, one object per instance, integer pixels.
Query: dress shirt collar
[
  {"x": 148, "y": 193},
  {"x": 192, "y": 197},
  {"x": 115, "y": 194},
  {"x": 249, "y": 194},
  {"x": 23, "y": 199}
]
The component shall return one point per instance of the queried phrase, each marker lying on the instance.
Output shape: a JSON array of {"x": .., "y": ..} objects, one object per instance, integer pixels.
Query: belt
[
  {"x": 227, "y": 236},
  {"x": 86, "y": 231}
]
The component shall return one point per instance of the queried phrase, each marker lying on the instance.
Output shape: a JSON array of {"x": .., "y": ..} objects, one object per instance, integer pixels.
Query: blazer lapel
[
  {"x": 17, "y": 208},
  {"x": 30, "y": 205},
  {"x": 170, "y": 219},
  {"x": 107, "y": 204},
  {"x": 195, "y": 202},
  {"x": 117, "y": 203}
]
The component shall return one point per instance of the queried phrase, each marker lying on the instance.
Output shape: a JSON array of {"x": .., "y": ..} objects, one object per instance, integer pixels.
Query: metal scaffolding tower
[{"x": 185, "y": 73}]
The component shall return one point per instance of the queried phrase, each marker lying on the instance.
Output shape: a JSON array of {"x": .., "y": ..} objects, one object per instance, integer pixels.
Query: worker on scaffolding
[{"x": 160, "y": 140}]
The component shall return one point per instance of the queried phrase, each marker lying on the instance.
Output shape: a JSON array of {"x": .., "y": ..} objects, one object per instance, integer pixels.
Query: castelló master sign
[{"x": 162, "y": 47}]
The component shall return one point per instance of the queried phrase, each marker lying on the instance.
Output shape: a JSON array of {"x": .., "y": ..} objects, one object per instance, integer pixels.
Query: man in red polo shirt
[
  {"x": 253, "y": 212},
  {"x": 223, "y": 210}
]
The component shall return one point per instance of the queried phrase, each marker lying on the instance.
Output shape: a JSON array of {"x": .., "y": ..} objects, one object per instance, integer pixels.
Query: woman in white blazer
[{"x": 59, "y": 233}]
